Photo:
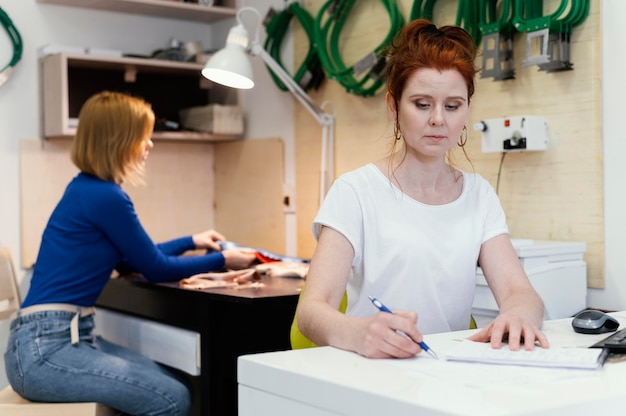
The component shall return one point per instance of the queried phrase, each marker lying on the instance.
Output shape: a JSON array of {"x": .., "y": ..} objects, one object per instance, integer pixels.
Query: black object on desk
[
  {"x": 593, "y": 321},
  {"x": 615, "y": 343},
  {"x": 231, "y": 322}
]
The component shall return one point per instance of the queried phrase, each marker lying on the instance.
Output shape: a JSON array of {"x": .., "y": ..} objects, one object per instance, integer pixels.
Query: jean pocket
[
  {"x": 13, "y": 366},
  {"x": 53, "y": 328}
]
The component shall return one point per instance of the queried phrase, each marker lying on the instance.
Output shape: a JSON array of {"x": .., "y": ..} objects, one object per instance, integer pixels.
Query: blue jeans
[{"x": 43, "y": 365}]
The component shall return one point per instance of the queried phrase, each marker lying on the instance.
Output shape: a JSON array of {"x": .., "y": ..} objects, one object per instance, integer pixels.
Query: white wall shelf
[
  {"x": 158, "y": 8},
  {"x": 68, "y": 80}
]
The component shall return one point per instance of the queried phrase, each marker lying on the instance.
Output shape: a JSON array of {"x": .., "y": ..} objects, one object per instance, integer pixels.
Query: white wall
[
  {"x": 614, "y": 142},
  {"x": 40, "y": 24}
]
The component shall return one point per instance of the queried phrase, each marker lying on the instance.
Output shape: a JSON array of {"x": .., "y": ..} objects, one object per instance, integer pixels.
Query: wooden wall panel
[
  {"x": 234, "y": 187},
  {"x": 45, "y": 171},
  {"x": 176, "y": 200},
  {"x": 551, "y": 195},
  {"x": 248, "y": 193}
]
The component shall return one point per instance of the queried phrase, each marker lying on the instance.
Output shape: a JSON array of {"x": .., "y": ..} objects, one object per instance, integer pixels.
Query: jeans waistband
[{"x": 79, "y": 312}]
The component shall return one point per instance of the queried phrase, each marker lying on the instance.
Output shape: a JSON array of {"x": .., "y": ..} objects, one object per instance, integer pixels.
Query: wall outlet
[{"x": 513, "y": 134}]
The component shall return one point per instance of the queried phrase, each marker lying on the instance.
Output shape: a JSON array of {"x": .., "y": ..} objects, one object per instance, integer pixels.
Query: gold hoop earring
[
  {"x": 463, "y": 140},
  {"x": 396, "y": 131}
]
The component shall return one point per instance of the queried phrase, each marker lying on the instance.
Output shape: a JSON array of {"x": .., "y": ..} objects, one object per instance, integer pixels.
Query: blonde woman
[{"x": 52, "y": 355}]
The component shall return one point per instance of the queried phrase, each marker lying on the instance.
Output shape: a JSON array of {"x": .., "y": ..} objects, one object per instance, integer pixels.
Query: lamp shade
[{"x": 231, "y": 66}]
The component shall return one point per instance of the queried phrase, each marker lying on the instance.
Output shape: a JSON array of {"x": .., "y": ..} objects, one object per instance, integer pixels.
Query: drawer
[{"x": 169, "y": 345}]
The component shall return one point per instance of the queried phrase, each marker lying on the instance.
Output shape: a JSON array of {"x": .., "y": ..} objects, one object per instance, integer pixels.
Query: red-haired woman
[{"x": 411, "y": 227}]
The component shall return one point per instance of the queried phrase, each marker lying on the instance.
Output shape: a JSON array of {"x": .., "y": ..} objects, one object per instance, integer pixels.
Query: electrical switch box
[{"x": 513, "y": 134}]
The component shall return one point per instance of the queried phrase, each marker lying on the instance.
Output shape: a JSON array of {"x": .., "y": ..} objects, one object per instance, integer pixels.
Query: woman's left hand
[
  {"x": 207, "y": 239},
  {"x": 512, "y": 329}
]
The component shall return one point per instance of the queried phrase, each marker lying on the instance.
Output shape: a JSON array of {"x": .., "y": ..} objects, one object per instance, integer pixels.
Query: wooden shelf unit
[
  {"x": 158, "y": 8},
  {"x": 68, "y": 80}
]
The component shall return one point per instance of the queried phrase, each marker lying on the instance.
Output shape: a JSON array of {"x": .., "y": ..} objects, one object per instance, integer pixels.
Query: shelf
[
  {"x": 175, "y": 136},
  {"x": 68, "y": 80},
  {"x": 181, "y": 136},
  {"x": 131, "y": 63},
  {"x": 158, "y": 8}
]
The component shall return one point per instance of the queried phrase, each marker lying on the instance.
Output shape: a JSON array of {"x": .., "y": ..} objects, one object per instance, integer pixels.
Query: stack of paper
[{"x": 581, "y": 358}]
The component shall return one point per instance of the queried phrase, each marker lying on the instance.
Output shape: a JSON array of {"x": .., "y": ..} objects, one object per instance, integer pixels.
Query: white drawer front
[{"x": 169, "y": 345}]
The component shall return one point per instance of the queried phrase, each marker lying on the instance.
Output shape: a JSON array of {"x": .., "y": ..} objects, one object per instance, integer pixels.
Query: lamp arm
[
  {"x": 322, "y": 117},
  {"x": 326, "y": 120},
  {"x": 327, "y": 156}
]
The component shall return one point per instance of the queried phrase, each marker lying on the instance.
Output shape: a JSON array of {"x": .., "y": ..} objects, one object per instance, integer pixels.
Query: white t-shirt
[{"x": 410, "y": 255}]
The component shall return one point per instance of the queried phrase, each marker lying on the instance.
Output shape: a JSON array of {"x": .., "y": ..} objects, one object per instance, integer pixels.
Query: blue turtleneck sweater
[{"x": 92, "y": 230}]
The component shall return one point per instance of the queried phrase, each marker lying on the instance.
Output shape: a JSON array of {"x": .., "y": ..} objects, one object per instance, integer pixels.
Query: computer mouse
[{"x": 591, "y": 321}]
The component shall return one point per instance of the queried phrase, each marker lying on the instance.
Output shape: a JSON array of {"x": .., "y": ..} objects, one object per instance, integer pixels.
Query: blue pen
[{"x": 383, "y": 308}]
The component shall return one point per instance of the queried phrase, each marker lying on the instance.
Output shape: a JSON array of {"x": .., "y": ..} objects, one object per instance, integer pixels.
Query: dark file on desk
[{"x": 615, "y": 343}]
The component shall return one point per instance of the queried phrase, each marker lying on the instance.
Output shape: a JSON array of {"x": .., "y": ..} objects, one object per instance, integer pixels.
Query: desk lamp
[{"x": 231, "y": 67}]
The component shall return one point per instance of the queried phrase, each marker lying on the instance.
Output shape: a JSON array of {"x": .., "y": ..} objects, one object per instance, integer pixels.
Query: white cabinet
[{"x": 556, "y": 270}]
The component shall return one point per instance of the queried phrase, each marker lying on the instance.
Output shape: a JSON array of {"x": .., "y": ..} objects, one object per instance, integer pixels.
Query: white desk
[{"x": 327, "y": 381}]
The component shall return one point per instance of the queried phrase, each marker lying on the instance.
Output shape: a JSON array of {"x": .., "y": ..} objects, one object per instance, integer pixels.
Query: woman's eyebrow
[{"x": 452, "y": 97}]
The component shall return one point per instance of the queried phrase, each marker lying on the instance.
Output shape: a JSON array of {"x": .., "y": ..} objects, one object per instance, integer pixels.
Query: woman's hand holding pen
[
  {"x": 382, "y": 335},
  {"x": 379, "y": 305}
]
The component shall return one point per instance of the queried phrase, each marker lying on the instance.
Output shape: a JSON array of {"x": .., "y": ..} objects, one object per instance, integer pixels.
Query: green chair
[{"x": 299, "y": 341}]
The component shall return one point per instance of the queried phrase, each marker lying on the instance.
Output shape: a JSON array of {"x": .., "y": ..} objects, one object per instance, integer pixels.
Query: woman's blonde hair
[{"x": 111, "y": 129}]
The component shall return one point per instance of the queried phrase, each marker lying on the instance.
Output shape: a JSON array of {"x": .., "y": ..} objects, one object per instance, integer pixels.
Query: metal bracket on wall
[
  {"x": 498, "y": 56},
  {"x": 554, "y": 50}
]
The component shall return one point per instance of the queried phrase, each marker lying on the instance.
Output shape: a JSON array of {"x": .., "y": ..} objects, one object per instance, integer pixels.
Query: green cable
[
  {"x": 578, "y": 12},
  {"x": 487, "y": 17},
  {"x": 529, "y": 16},
  {"x": 422, "y": 10},
  {"x": 16, "y": 41},
  {"x": 336, "y": 10},
  {"x": 310, "y": 73},
  {"x": 366, "y": 77},
  {"x": 466, "y": 15},
  {"x": 373, "y": 63},
  {"x": 467, "y": 18}
]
